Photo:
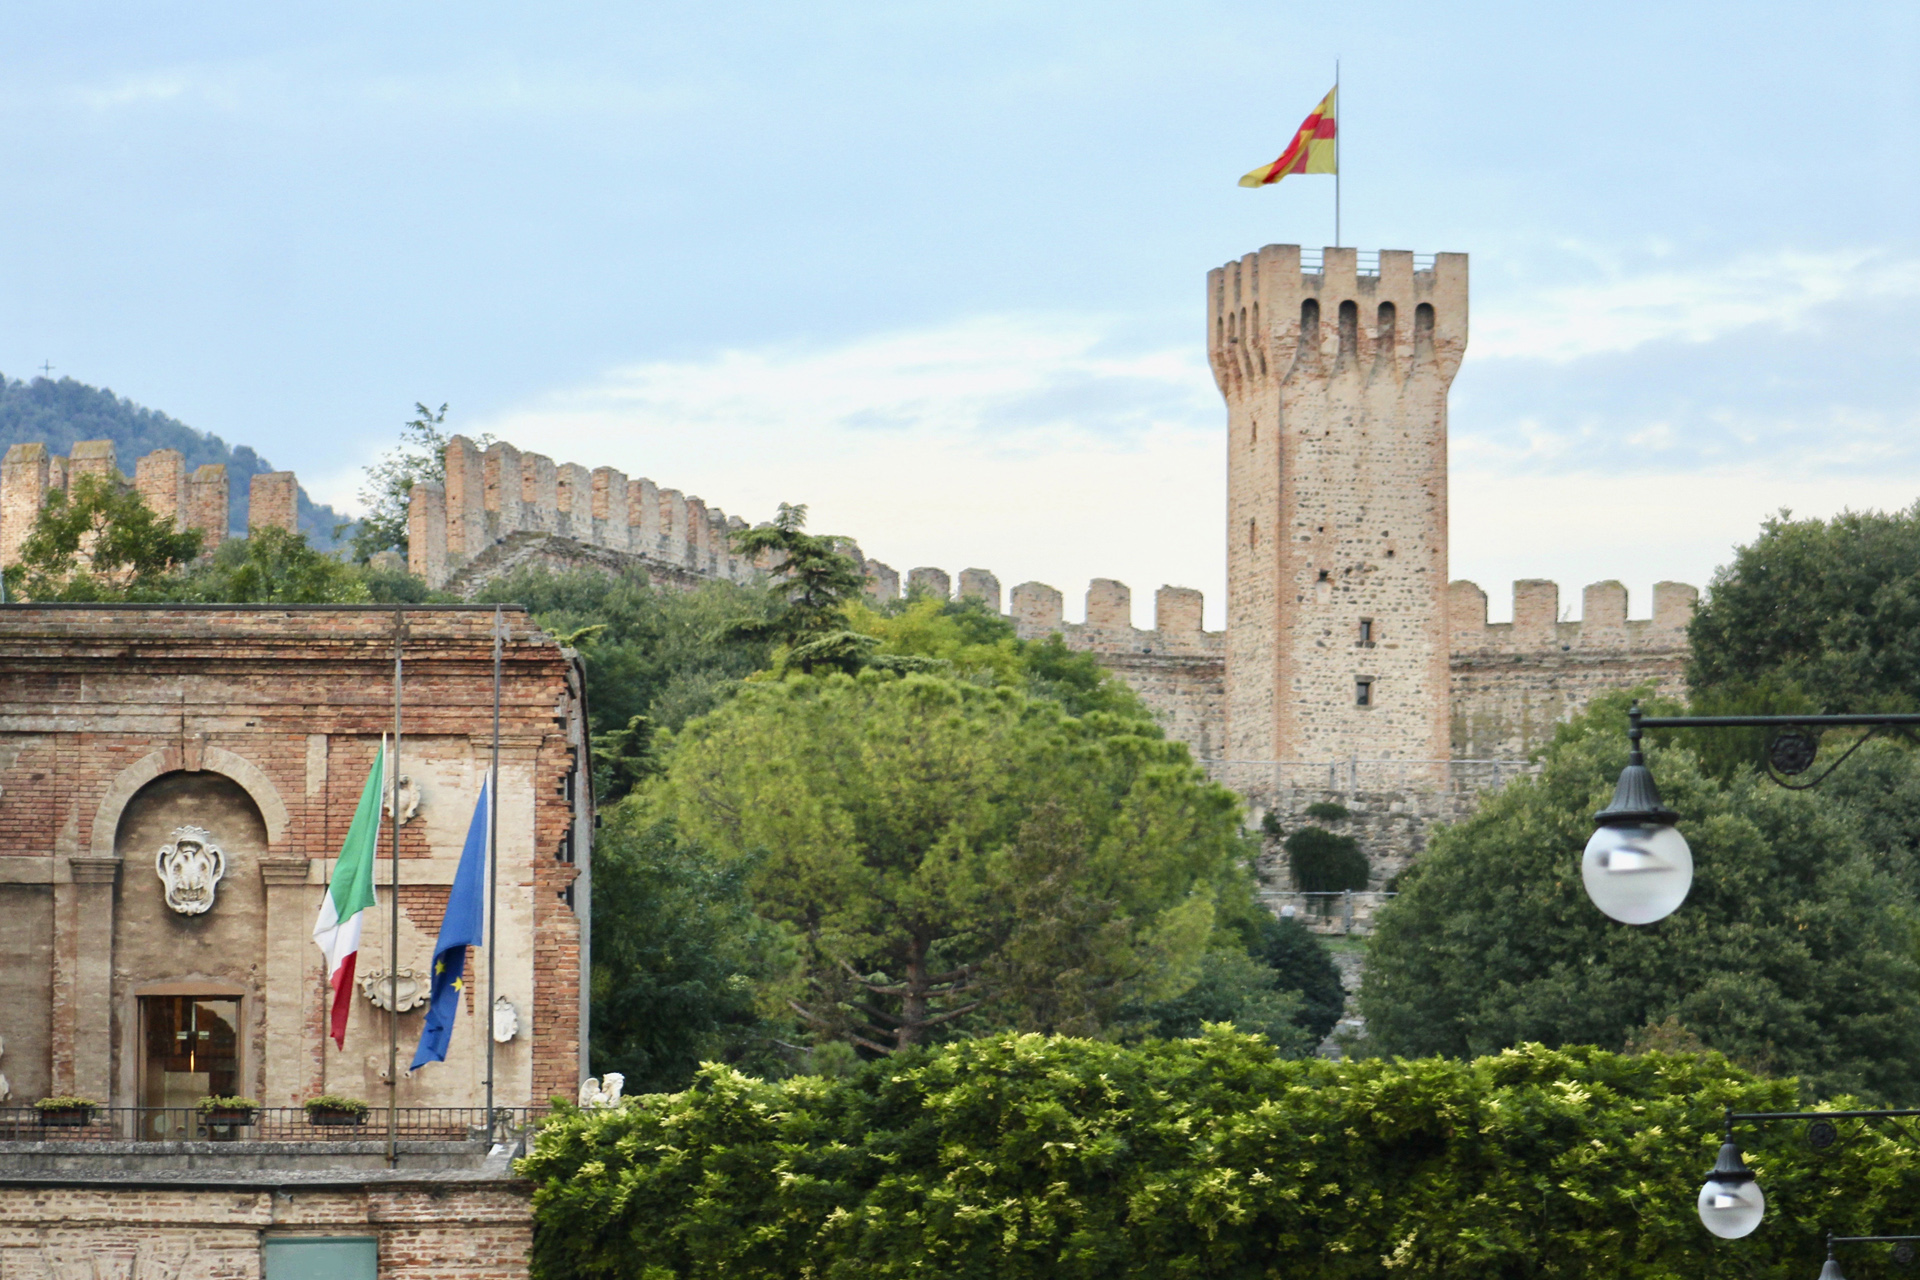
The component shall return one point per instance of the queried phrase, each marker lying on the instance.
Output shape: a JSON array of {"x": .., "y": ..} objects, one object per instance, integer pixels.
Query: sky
[{"x": 937, "y": 270}]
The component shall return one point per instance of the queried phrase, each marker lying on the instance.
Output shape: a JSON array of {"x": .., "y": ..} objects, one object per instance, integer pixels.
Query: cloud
[
  {"x": 1643, "y": 433},
  {"x": 1039, "y": 447},
  {"x": 1631, "y": 309}
]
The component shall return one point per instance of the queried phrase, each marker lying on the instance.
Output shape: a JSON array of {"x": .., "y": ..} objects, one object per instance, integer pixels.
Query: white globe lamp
[
  {"x": 1637, "y": 867},
  {"x": 1731, "y": 1203}
]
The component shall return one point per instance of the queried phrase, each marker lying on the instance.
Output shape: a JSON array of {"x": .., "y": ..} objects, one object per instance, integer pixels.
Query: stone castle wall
[{"x": 30, "y": 472}]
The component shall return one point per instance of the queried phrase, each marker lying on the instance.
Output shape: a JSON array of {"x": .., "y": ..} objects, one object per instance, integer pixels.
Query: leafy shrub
[
  {"x": 1024, "y": 1156},
  {"x": 1328, "y": 811},
  {"x": 218, "y": 1102},
  {"x": 66, "y": 1102},
  {"x": 336, "y": 1102},
  {"x": 1323, "y": 862}
]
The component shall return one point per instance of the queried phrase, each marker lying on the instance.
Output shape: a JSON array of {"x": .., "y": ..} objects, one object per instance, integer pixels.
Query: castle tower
[{"x": 1335, "y": 375}]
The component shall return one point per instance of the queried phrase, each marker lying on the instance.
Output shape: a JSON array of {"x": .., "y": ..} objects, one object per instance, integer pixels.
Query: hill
[{"x": 61, "y": 413}]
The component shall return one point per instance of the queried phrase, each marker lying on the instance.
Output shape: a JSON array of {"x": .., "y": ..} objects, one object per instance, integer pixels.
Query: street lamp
[
  {"x": 1637, "y": 867},
  {"x": 1731, "y": 1202},
  {"x": 1903, "y": 1251}
]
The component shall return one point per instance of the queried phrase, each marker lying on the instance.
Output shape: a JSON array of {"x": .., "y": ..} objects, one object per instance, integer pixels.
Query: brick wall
[
  {"x": 100, "y": 705},
  {"x": 445, "y": 1230}
]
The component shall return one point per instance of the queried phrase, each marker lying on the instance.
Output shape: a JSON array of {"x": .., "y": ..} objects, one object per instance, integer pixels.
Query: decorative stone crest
[
  {"x": 506, "y": 1020},
  {"x": 413, "y": 990},
  {"x": 409, "y": 800},
  {"x": 190, "y": 866}
]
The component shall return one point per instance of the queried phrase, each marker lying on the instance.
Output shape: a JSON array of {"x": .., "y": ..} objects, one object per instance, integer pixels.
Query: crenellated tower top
[{"x": 1283, "y": 312}]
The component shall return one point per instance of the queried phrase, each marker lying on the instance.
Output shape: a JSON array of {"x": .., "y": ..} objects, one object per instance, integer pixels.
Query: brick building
[{"x": 175, "y": 782}]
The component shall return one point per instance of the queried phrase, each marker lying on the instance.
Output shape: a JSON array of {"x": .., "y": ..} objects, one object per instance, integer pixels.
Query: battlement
[
  {"x": 200, "y": 501},
  {"x": 1604, "y": 627},
  {"x": 1279, "y": 314},
  {"x": 492, "y": 494},
  {"x": 1037, "y": 610}
]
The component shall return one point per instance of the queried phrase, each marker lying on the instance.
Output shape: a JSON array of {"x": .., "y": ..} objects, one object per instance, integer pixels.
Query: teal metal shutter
[{"x": 322, "y": 1258}]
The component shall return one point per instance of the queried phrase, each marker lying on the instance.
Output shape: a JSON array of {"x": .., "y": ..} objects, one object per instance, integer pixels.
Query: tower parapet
[
  {"x": 1335, "y": 369},
  {"x": 200, "y": 501}
]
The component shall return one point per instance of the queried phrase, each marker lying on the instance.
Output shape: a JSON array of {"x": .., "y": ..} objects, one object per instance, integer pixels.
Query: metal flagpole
[
  {"x": 393, "y": 934},
  {"x": 493, "y": 852},
  {"x": 1339, "y": 110}
]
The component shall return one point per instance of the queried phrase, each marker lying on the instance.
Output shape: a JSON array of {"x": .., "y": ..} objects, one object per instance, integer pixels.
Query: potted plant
[
  {"x": 66, "y": 1109},
  {"x": 331, "y": 1108},
  {"x": 222, "y": 1112}
]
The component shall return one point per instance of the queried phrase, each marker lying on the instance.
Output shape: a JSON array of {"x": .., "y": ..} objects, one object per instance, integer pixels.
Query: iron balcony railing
[
  {"x": 1366, "y": 262},
  {"x": 1357, "y": 775},
  {"x": 266, "y": 1124}
]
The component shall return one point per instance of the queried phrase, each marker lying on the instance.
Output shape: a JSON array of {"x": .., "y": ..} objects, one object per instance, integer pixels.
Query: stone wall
[
  {"x": 500, "y": 495},
  {"x": 30, "y": 472},
  {"x": 1513, "y": 681}
]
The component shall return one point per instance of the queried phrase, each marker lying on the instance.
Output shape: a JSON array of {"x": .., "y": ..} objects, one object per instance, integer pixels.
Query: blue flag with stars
[{"x": 460, "y": 928}]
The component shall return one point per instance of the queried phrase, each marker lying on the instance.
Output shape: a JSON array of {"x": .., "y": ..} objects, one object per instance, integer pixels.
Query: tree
[
  {"x": 678, "y": 957},
  {"x": 98, "y": 540},
  {"x": 947, "y": 850},
  {"x": 815, "y": 581},
  {"x": 667, "y": 655},
  {"x": 419, "y": 458},
  {"x": 273, "y": 566},
  {"x": 1794, "y": 952},
  {"x": 1828, "y": 609}
]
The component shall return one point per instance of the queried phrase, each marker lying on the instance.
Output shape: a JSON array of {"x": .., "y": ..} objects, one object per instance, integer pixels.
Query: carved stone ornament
[
  {"x": 409, "y": 800},
  {"x": 190, "y": 866},
  {"x": 602, "y": 1091},
  {"x": 414, "y": 990},
  {"x": 506, "y": 1020}
]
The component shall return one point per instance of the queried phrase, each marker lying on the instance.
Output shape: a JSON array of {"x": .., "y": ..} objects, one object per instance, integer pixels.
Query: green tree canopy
[
  {"x": 948, "y": 850},
  {"x": 98, "y": 540},
  {"x": 1794, "y": 953},
  {"x": 1026, "y": 1158},
  {"x": 1830, "y": 608},
  {"x": 680, "y": 961}
]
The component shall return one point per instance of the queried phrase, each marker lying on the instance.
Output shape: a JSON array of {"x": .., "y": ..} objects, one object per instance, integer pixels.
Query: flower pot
[
  {"x": 324, "y": 1117},
  {"x": 68, "y": 1117},
  {"x": 222, "y": 1118}
]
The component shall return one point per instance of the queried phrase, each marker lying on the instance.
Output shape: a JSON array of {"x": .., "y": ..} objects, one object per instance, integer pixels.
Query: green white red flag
[{"x": 350, "y": 893}]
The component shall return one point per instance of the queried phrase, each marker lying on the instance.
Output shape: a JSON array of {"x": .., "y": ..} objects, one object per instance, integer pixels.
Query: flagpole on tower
[
  {"x": 493, "y": 851},
  {"x": 393, "y": 933},
  {"x": 1339, "y": 110}
]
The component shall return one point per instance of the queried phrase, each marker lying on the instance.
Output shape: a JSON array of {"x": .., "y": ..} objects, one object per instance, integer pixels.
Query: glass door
[{"x": 192, "y": 1051}]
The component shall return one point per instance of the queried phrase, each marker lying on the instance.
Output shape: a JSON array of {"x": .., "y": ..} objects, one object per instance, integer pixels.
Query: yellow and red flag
[{"x": 1315, "y": 147}]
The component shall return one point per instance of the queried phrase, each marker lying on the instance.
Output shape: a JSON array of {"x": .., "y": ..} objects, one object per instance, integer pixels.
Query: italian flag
[{"x": 337, "y": 931}]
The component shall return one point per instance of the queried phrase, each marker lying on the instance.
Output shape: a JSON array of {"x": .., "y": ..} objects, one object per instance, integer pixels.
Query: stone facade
[{"x": 120, "y": 725}]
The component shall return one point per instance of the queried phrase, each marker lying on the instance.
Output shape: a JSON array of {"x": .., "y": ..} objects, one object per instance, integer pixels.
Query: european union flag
[{"x": 460, "y": 928}]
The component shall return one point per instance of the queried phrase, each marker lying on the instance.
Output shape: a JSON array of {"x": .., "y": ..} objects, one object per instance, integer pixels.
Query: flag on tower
[
  {"x": 460, "y": 928},
  {"x": 1315, "y": 147},
  {"x": 350, "y": 893}
]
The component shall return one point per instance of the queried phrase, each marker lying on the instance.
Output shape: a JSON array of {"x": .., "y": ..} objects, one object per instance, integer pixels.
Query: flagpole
[
  {"x": 1339, "y": 111},
  {"x": 493, "y": 851},
  {"x": 393, "y": 935}
]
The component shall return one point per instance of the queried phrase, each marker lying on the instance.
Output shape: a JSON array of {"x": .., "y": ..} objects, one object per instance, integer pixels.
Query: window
[
  {"x": 321, "y": 1258},
  {"x": 1366, "y": 633},
  {"x": 1363, "y": 692},
  {"x": 192, "y": 1051}
]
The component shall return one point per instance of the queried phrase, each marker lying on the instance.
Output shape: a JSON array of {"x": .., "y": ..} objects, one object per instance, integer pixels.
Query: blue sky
[{"x": 936, "y": 269}]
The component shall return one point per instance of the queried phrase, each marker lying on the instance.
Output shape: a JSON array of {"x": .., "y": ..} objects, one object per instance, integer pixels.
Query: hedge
[{"x": 1026, "y": 1156}]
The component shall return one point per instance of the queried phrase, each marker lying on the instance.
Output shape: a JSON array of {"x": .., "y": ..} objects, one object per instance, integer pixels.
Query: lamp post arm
[
  {"x": 1778, "y": 722},
  {"x": 1733, "y": 1116},
  {"x": 1832, "y": 1240}
]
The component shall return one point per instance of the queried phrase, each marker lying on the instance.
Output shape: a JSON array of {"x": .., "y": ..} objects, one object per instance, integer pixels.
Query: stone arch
[{"x": 127, "y": 783}]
